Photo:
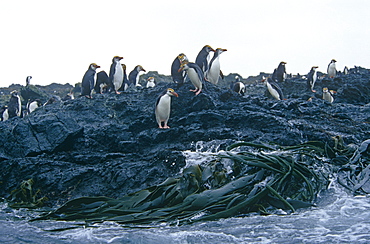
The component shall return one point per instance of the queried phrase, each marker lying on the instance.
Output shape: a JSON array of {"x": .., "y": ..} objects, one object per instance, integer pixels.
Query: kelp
[
  {"x": 25, "y": 197},
  {"x": 246, "y": 178}
]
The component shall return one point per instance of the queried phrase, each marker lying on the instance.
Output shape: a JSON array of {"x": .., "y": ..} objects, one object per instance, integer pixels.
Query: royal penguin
[
  {"x": 311, "y": 78},
  {"x": 214, "y": 70},
  {"x": 163, "y": 108},
  {"x": 14, "y": 105},
  {"x": 195, "y": 75},
  {"x": 332, "y": 70},
  {"x": 327, "y": 95},
  {"x": 178, "y": 77},
  {"x": 116, "y": 73},
  {"x": 4, "y": 114},
  {"x": 28, "y": 80},
  {"x": 274, "y": 88},
  {"x": 279, "y": 74},
  {"x": 88, "y": 80},
  {"x": 345, "y": 70},
  {"x": 203, "y": 58},
  {"x": 125, "y": 83},
  {"x": 69, "y": 96},
  {"x": 150, "y": 82},
  {"x": 238, "y": 86},
  {"x": 133, "y": 77},
  {"x": 103, "y": 84},
  {"x": 33, "y": 105}
]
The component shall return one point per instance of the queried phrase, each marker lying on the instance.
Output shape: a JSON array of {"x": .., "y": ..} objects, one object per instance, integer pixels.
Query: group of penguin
[
  {"x": 117, "y": 80},
  {"x": 279, "y": 75},
  {"x": 206, "y": 68},
  {"x": 14, "y": 107}
]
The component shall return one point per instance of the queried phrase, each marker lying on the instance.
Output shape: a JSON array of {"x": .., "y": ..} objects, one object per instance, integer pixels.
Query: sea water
[{"x": 338, "y": 217}]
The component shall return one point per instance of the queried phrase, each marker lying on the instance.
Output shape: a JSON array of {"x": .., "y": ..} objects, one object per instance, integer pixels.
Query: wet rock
[{"x": 110, "y": 145}]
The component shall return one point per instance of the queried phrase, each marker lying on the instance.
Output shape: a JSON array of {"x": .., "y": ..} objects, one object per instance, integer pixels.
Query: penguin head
[
  {"x": 283, "y": 63},
  {"x": 171, "y": 92},
  {"x": 325, "y": 90},
  {"x": 183, "y": 66},
  {"x": 314, "y": 67},
  {"x": 140, "y": 68},
  {"x": 220, "y": 50},
  {"x": 182, "y": 57},
  {"x": 208, "y": 48},
  {"x": 28, "y": 80},
  {"x": 333, "y": 61},
  {"x": 123, "y": 66},
  {"x": 237, "y": 78},
  {"x": 14, "y": 93},
  {"x": 94, "y": 66},
  {"x": 150, "y": 79},
  {"x": 116, "y": 59}
]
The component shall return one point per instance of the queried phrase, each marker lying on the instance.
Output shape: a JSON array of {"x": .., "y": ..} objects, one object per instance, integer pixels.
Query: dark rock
[{"x": 110, "y": 145}]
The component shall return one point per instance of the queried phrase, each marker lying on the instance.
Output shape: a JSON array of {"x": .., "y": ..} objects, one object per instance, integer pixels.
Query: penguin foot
[
  {"x": 197, "y": 93},
  {"x": 87, "y": 96},
  {"x": 313, "y": 90},
  {"x": 117, "y": 92}
]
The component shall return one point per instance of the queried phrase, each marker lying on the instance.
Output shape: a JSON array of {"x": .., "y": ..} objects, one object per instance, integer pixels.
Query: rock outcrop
[{"x": 110, "y": 145}]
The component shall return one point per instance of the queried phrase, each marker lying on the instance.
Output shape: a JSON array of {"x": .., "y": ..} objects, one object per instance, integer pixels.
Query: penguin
[
  {"x": 32, "y": 105},
  {"x": 311, "y": 78},
  {"x": 178, "y": 77},
  {"x": 195, "y": 75},
  {"x": 88, "y": 80},
  {"x": 133, "y": 77},
  {"x": 69, "y": 96},
  {"x": 14, "y": 105},
  {"x": 203, "y": 58},
  {"x": 163, "y": 108},
  {"x": 238, "y": 86},
  {"x": 28, "y": 80},
  {"x": 150, "y": 82},
  {"x": 274, "y": 89},
  {"x": 345, "y": 70},
  {"x": 116, "y": 73},
  {"x": 332, "y": 70},
  {"x": 4, "y": 115},
  {"x": 102, "y": 84},
  {"x": 125, "y": 83},
  {"x": 327, "y": 95},
  {"x": 280, "y": 73},
  {"x": 214, "y": 71}
]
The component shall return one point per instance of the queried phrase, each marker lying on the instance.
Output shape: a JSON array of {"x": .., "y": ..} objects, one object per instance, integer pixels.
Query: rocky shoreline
[{"x": 111, "y": 146}]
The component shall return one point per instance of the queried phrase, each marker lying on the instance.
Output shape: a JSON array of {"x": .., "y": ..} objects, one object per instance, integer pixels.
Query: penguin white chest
[
  {"x": 272, "y": 91},
  {"x": 5, "y": 115},
  {"x": 194, "y": 78},
  {"x": 163, "y": 108},
  {"x": 32, "y": 106},
  {"x": 332, "y": 70},
  {"x": 118, "y": 76},
  {"x": 19, "y": 106},
  {"x": 214, "y": 71}
]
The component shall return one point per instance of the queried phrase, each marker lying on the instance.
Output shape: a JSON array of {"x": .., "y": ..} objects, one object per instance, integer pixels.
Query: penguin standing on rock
[
  {"x": 88, "y": 80},
  {"x": 178, "y": 77},
  {"x": 150, "y": 82},
  {"x": 203, "y": 58},
  {"x": 195, "y": 75},
  {"x": 238, "y": 86},
  {"x": 116, "y": 73},
  {"x": 102, "y": 84},
  {"x": 4, "y": 115},
  {"x": 327, "y": 95},
  {"x": 311, "y": 78},
  {"x": 28, "y": 80},
  {"x": 133, "y": 77},
  {"x": 279, "y": 74},
  {"x": 274, "y": 89},
  {"x": 14, "y": 105},
  {"x": 32, "y": 105},
  {"x": 125, "y": 82},
  {"x": 332, "y": 70},
  {"x": 214, "y": 69},
  {"x": 163, "y": 108}
]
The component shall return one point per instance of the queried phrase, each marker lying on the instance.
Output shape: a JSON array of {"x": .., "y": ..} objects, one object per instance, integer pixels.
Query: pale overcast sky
[{"x": 55, "y": 41}]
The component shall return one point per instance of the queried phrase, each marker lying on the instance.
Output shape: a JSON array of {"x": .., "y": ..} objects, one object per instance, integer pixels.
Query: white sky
[{"x": 55, "y": 41}]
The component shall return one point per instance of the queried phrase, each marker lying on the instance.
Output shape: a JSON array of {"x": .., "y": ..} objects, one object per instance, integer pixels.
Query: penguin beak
[
  {"x": 120, "y": 58},
  {"x": 97, "y": 66},
  {"x": 143, "y": 69},
  {"x": 175, "y": 94}
]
